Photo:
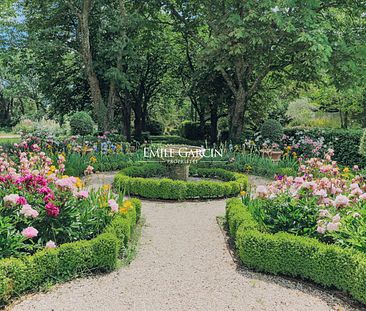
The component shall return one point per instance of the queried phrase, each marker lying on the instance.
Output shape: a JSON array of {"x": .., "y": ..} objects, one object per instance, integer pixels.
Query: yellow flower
[
  {"x": 346, "y": 170},
  {"x": 123, "y": 210},
  {"x": 106, "y": 187},
  {"x": 93, "y": 159},
  {"x": 64, "y": 176},
  {"x": 79, "y": 184},
  {"x": 294, "y": 153},
  {"x": 52, "y": 168},
  {"x": 288, "y": 148},
  {"x": 242, "y": 193},
  {"x": 127, "y": 204}
]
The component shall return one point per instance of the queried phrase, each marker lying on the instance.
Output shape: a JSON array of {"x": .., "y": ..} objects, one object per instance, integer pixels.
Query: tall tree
[{"x": 249, "y": 40}]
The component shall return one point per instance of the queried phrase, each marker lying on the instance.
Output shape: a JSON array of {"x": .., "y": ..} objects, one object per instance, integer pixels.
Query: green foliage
[
  {"x": 155, "y": 127},
  {"x": 296, "y": 256},
  {"x": 252, "y": 164},
  {"x": 286, "y": 213},
  {"x": 81, "y": 123},
  {"x": 169, "y": 189},
  {"x": 193, "y": 131},
  {"x": 272, "y": 130},
  {"x": 344, "y": 142},
  {"x": 70, "y": 260}
]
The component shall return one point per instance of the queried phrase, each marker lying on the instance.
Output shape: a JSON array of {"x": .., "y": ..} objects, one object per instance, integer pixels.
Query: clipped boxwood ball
[
  {"x": 272, "y": 130},
  {"x": 81, "y": 123}
]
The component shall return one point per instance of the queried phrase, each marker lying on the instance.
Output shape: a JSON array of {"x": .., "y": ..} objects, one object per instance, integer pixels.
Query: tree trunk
[
  {"x": 112, "y": 97},
  {"x": 346, "y": 119},
  {"x": 144, "y": 117},
  {"x": 126, "y": 119},
  {"x": 214, "y": 120},
  {"x": 237, "y": 116},
  {"x": 99, "y": 108},
  {"x": 202, "y": 125},
  {"x": 138, "y": 122}
]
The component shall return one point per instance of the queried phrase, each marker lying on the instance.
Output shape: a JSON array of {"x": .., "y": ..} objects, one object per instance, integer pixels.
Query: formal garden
[{"x": 182, "y": 155}]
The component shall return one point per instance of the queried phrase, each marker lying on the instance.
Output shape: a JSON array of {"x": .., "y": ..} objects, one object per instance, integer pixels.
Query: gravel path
[{"x": 183, "y": 263}]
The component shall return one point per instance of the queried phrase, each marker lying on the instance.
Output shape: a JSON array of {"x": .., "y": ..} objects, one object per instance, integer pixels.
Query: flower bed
[
  {"x": 69, "y": 260},
  {"x": 51, "y": 229},
  {"x": 296, "y": 256},
  {"x": 312, "y": 226},
  {"x": 137, "y": 180}
]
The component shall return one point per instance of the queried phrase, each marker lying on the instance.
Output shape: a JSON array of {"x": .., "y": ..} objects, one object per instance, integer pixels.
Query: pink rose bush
[
  {"x": 42, "y": 208},
  {"x": 323, "y": 201}
]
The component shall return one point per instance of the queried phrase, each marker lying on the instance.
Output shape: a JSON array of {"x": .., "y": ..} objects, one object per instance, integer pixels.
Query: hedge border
[
  {"x": 296, "y": 256},
  {"x": 69, "y": 260},
  {"x": 168, "y": 189}
]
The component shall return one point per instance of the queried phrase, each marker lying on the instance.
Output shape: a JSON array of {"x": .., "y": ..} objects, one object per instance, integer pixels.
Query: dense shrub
[
  {"x": 81, "y": 123},
  {"x": 344, "y": 142},
  {"x": 272, "y": 130},
  {"x": 128, "y": 180},
  {"x": 192, "y": 130},
  {"x": 296, "y": 256},
  {"x": 29, "y": 273},
  {"x": 155, "y": 127}
]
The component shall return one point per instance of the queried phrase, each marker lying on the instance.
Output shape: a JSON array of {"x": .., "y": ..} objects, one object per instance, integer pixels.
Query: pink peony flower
[
  {"x": 50, "y": 244},
  {"x": 323, "y": 213},
  {"x": 333, "y": 226},
  {"x": 113, "y": 205},
  {"x": 336, "y": 218},
  {"x": 341, "y": 201},
  {"x": 22, "y": 201},
  {"x": 52, "y": 210},
  {"x": 28, "y": 211},
  {"x": 11, "y": 199},
  {"x": 363, "y": 196},
  {"x": 30, "y": 232},
  {"x": 320, "y": 230},
  {"x": 321, "y": 193}
]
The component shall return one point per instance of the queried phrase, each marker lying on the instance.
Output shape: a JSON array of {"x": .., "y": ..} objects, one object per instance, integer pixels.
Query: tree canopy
[{"x": 225, "y": 64}]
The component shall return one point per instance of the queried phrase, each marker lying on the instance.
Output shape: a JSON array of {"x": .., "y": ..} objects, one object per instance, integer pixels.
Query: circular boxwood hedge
[{"x": 148, "y": 181}]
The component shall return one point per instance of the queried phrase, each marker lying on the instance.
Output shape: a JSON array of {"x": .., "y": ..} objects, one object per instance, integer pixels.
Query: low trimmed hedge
[
  {"x": 136, "y": 180},
  {"x": 296, "y": 256},
  {"x": 69, "y": 260},
  {"x": 174, "y": 140}
]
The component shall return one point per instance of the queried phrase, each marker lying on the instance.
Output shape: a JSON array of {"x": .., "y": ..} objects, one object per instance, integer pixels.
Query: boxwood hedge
[
  {"x": 296, "y": 256},
  {"x": 137, "y": 180},
  {"x": 29, "y": 273}
]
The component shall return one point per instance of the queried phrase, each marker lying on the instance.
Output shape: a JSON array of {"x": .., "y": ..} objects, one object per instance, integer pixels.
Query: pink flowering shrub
[
  {"x": 40, "y": 207},
  {"x": 323, "y": 201}
]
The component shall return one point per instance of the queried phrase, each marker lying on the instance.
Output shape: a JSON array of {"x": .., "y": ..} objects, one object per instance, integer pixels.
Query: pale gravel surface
[{"x": 182, "y": 264}]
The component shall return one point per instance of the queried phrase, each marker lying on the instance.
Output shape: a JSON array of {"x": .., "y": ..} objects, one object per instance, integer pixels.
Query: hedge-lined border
[
  {"x": 130, "y": 181},
  {"x": 296, "y": 256},
  {"x": 69, "y": 260}
]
